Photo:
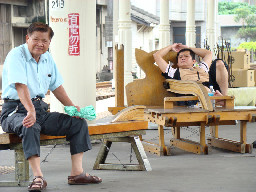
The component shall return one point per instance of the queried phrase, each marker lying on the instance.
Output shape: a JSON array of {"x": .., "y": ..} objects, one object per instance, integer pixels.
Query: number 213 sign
[{"x": 57, "y": 4}]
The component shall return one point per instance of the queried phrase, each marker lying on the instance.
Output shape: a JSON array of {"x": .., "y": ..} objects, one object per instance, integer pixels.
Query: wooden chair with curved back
[{"x": 148, "y": 91}]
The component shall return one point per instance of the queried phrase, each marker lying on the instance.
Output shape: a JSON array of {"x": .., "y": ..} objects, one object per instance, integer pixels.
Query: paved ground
[{"x": 219, "y": 171}]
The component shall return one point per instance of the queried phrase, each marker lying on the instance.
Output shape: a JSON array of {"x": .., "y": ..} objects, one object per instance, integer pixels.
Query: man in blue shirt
[{"x": 29, "y": 72}]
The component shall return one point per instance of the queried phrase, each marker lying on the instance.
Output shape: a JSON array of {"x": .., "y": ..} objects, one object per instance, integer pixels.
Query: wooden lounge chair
[{"x": 161, "y": 110}]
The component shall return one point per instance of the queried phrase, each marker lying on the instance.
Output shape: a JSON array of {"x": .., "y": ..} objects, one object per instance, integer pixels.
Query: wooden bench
[{"x": 126, "y": 126}]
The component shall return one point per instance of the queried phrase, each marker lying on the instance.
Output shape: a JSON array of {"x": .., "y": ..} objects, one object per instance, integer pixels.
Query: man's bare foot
[
  {"x": 83, "y": 179},
  {"x": 217, "y": 93},
  {"x": 219, "y": 102}
]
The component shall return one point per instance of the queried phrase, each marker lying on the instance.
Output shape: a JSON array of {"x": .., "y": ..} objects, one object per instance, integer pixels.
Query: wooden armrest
[
  {"x": 228, "y": 100},
  {"x": 191, "y": 87}
]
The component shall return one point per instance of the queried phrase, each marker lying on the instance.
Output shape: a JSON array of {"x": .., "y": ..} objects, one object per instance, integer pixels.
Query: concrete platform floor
[{"x": 219, "y": 171}]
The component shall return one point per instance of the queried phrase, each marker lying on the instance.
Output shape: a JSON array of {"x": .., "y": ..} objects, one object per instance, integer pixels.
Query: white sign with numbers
[{"x": 57, "y": 4}]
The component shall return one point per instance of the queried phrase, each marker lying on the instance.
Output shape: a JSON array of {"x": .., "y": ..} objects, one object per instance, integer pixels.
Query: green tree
[
  {"x": 228, "y": 8},
  {"x": 248, "y": 18},
  {"x": 248, "y": 46}
]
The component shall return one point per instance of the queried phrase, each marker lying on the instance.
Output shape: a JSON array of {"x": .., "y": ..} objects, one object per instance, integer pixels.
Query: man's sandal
[
  {"x": 37, "y": 185},
  {"x": 83, "y": 179}
]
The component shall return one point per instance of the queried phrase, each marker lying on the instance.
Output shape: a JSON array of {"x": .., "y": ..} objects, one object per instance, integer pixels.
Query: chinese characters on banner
[{"x": 74, "y": 36}]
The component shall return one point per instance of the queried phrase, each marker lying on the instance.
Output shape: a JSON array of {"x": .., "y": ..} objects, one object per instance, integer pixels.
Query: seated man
[
  {"x": 29, "y": 72},
  {"x": 209, "y": 73}
]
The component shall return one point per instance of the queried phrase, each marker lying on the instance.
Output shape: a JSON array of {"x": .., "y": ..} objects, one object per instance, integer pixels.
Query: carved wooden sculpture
[
  {"x": 131, "y": 113},
  {"x": 148, "y": 91}
]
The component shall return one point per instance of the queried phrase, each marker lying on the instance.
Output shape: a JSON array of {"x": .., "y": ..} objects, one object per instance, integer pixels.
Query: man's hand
[
  {"x": 181, "y": 46},
  {"x": 30, "y": 119},
  {"x": 24, "y": 95},
  {"x": 176, "y": 47},
  {"x": 78, "y": 109}
]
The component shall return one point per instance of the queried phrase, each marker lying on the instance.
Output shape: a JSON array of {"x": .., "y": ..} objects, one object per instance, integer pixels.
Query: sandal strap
[
  {"x": 38, "y": 183},
  {"x": 40, "y": 177}
]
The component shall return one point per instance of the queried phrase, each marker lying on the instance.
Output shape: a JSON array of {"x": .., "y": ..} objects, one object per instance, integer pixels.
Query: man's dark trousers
[{"x": 48, "y": 123}]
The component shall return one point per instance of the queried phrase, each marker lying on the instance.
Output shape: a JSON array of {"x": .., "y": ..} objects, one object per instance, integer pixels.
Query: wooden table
[{"x": 186, "y": 116}]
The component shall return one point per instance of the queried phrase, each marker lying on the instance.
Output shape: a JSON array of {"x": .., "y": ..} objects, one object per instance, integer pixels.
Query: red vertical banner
[{"x": 74, "y": 36}]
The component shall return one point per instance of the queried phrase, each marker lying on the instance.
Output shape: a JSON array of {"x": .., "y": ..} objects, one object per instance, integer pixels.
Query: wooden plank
[
  {"x": 202, "y": 135},
  {"x": 153, "y": 148},
  {"x": 243, "y": 132},
  {"x": 183, "y": 98},
  {"x": 214, "y": 131},
  {"x": 115, "y": 110},
  {"x": 227, "y": 144},
  {"x": 119, "y": 134},
  {"x": 14, "y": 183},
  {"x": 228, "y": 100},
  {"x": 117, "y": 127},
  {"x": 96, "y": 129},
  {"x": 196, "y": 115},
  {"x": 120, "y": 167},
  {"x": 226, "y": 122},
  {"x": 6, "y": 138},
  {"x": 103, "y": 153},
  {"x": 194, "y": 98},
  {"x": 168, "y": 104},
  {"x": 140, "y": 153},
  {"x": 186, "y": 124},
  {"x": 161, "y": 139},
  {"x": 21, "y": 166},
  {"x": 177, "y": 110},
  {"x": 176, "y": 131},
  {"x": 189, "y": 146},
  {"x": 119, "y": 76},
  {"x": 229, "y": 104},
  {"x": 234, "y": 115},
  {"x": 47, "y": 137},
  {"x": 248, "y": 148},
  {"x": 188, "y": 117}
]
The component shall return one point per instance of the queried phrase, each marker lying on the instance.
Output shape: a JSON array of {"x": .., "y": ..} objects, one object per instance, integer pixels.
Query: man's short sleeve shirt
[
  {"x": 21, "y": 67},
  {"x": 170, "y": 72}
]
